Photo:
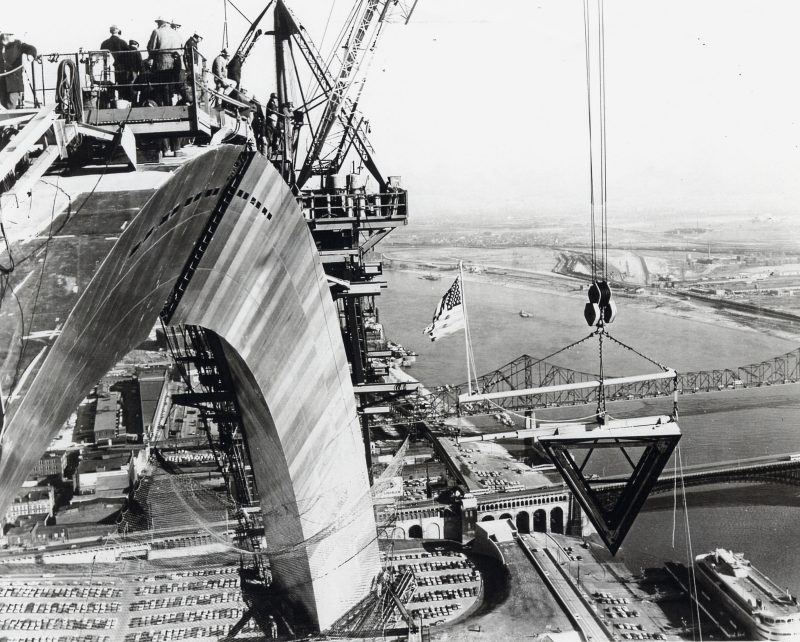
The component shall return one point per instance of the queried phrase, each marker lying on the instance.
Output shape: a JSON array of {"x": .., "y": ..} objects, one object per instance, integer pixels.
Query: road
[{"x": 585, "y": 618}]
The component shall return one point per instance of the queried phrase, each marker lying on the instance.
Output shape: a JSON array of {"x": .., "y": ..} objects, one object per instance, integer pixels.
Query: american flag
[{"x": 449, "y": 315}]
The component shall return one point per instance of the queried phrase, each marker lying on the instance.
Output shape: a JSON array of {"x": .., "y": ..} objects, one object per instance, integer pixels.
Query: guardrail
[{"x": 354, "y": 204}]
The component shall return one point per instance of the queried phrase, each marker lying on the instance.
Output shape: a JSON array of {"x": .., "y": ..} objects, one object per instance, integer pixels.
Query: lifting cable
[
  {"x": 600, "y": 310},
  {"x": 225, "y": 24},
  {"x": 694, "y": 604},
  {"x": 591, "y": 138}
]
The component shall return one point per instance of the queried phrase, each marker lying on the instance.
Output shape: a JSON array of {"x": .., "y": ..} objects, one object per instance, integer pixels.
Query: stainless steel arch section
[{"x": 256, "y": 280}]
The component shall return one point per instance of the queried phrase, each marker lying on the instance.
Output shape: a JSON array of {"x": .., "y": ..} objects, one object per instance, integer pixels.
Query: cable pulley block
[
  {"x": 600, "y": 306},
  {"x": 610, "y": 312},
  {"x": 591, "y": 312}
]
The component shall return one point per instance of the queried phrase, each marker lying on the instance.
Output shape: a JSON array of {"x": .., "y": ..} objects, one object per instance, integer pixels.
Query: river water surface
[{"x": 760, "y": 520}]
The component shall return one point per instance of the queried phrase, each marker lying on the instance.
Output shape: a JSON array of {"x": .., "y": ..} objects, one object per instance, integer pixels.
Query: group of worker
[
  {"x": 156, "y": 81},
  {"x": 166, "y": 69},
  {"x": 163, "y": 75}
]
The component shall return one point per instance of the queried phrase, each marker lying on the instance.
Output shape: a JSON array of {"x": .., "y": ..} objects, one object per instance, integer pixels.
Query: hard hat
[
  {"x": 197, "y": 36},
  {"x": 133, "y": 43},
  {"x": 172, "y": 23},
  {"x": 113, "y": 28},
  {"x": 161, "y": 19}
]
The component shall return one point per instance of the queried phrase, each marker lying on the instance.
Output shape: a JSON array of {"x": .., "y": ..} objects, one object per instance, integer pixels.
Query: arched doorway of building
[
  {"x": 524, "y": 521},
  {"x": 505, "y": 516},
  {"x": 557, "y": 520},
  {"x": 540, "y": 521},
  {"x": 415, "y": 532},
  {"x": 487, "y": 518}
]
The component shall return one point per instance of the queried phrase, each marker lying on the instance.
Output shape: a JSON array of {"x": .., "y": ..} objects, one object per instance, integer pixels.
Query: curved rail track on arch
[{"x": 528, "y": 372}]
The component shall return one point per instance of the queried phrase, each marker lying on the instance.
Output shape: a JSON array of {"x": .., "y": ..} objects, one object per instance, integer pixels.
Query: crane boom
[
  {"x": 374, "y": 13},
  {"x": 252, "y": 35},
  {"x": 355, "y": 129}
]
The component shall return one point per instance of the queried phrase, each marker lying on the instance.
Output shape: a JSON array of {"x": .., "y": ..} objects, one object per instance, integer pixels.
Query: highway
[{"x": 577, "y": 610}]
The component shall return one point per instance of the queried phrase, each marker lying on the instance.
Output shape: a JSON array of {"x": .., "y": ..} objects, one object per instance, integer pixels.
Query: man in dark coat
[
  {"x": 135, "y": 66},
  {"x": 122, "y": 74},
  {"x": 114, "y": 43},
  {"x": 190, "y": 58},
  {"x": 259, "y": 126},
  {"x": 12, "y": 87},
  {"x": 193, "y": 71}
]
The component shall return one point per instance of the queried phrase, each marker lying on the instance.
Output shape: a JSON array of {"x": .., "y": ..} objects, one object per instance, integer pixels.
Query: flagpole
[{"x": 466, "y": 323}]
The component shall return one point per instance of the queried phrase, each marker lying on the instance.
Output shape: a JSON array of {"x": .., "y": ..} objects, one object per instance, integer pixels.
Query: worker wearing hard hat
[
  {"x": 164, "y": 48},
  {"x": 190, "y": 59},
  {"x": 12, "y": 87},
  {"x": 219, "y": 69}
]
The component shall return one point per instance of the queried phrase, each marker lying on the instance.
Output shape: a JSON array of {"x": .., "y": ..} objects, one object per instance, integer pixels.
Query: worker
[
  {"x": 272, "y": 117},
  {"x": 259, "y": 125},
  {"x": 190, "y": 59},
  {"x": 12, "y": 88},
  {"x": 191, "y": 74},
  {"x": 114, "y": 42},
  {"x": 273, "y": 628},
  {"x": 164, "y": 47},
  {"x": 117, "y": 45},
  {"x": 235, "y": 70},
  {"x": 179, "y": 67},
  {"x": 135, "y": 66},
  {"x": 285, "y": 116},
  {"x": 219, "y": 69}
]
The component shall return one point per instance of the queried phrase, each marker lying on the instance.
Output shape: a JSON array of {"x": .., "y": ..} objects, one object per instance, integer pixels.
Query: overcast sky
[{"x": 481, "y": 106}]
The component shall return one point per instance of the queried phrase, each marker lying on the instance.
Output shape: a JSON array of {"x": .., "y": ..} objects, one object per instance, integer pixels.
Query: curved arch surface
[{"x": 223, "y": 245}]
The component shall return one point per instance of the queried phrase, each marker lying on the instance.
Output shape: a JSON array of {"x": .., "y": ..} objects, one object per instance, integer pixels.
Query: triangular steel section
[{"x": 613, "y": 516}]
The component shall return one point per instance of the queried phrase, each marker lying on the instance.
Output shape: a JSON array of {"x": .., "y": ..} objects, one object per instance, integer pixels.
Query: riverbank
[{"x": 659, "y": 302}]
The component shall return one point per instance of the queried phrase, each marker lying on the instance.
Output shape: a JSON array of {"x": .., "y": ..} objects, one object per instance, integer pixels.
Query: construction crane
[
  {"x": 371, "y": 18},
  {"x": 251, "y": 37},
  {"x": 327, "y": 148}
]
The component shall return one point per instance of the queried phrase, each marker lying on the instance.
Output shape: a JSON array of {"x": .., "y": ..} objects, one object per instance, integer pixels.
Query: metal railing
[
  {"x": 106, "y": 76},
  {"x": 354, "y": 204}
]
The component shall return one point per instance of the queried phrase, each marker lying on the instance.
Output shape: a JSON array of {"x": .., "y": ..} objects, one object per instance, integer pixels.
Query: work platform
[{"x": 89, "y": 104}]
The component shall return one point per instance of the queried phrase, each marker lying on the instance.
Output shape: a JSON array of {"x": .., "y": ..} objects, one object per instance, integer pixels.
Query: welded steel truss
[{"x": 527, "y": 372}]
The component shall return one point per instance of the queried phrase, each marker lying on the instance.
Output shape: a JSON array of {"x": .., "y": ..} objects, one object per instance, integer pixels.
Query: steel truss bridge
[
  {"x": 779, "y": 469},
  {"x": 527, "y": 372}
]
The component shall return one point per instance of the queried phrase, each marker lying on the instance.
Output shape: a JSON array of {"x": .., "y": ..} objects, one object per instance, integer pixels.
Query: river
[{"x": 760, "y": 520}]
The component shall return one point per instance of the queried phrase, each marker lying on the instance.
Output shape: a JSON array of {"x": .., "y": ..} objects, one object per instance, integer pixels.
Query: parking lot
[
  {"x": 447, "y": 583},
  {"x": 193, "y": 604}
]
